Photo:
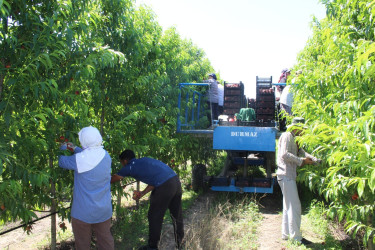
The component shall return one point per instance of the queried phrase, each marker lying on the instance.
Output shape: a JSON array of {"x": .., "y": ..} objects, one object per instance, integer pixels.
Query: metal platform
[
  {"x": 209, "y": 133},
  {"x": 238, "y": 138},
  {"x": 233, "y": 188}
]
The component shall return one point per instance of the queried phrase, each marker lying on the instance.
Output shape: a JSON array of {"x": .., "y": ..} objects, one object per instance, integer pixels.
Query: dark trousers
[
  {"x": 166, "y": 196},
  {"x": 220, "y": 110},
  {"x": 214, "y": 110},
  {"x": 82, "y": 234}
]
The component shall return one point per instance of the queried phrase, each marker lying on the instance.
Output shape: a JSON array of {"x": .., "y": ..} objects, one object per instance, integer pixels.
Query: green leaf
[
  {"x": 361, "y": 187},
  {"x": 372, "y": 180}
]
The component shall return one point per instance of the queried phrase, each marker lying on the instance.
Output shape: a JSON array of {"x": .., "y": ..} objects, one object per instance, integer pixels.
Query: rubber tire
[{"x": 197, "y": 179}]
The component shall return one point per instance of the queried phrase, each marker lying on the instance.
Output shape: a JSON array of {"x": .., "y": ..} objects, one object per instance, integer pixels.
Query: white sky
[{"x": 242, "y": 38}]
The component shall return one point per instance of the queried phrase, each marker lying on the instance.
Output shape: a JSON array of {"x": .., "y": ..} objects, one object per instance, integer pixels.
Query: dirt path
[
  {"x": 269, "y": 230},
  {"x": 39, "y": 236}
]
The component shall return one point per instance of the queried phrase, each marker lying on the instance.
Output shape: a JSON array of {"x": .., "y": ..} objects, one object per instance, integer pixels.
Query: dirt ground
[
  {"x": 39, "y": 236},
  {"x": 268, "y": 232}
]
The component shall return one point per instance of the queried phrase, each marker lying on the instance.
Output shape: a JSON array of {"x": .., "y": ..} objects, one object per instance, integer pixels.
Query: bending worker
[{"x": 166, "y": 193}]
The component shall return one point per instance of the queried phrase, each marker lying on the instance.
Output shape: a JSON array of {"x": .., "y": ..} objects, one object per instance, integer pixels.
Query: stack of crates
[
  {"x": 234, "y": 98},
  {"x": 265, "y": 102}
]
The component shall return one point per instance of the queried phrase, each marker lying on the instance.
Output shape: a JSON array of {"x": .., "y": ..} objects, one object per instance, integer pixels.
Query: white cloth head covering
[{"x": 93, "y": 152}]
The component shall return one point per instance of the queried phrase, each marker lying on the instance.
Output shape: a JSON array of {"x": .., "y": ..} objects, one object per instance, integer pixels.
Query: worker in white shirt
[
  {"x": 286, "y": 98},
  {"x": 221, "y": 98},
  {"x": 290, "y": 156}
]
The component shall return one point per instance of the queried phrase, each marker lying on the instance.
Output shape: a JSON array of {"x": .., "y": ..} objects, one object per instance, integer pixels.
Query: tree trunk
[
  {"x": 1, "y": 79},
  {"x": 138, "y": 187},
  {"x": 53, "y": 211},
  {"x": 118, "y": 205},
  {"x": 2, "y": 74},
  {"x": 370, "y": 243},
  {"x": 102, "y": 121}
]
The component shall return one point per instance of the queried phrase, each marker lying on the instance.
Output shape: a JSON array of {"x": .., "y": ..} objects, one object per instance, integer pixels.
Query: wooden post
[
  {"x": 118, "y": 206},
  {"x": 102, "y": 116},
  {"x": 138, "y": 187},
  {"x": 53, "y": 210}
]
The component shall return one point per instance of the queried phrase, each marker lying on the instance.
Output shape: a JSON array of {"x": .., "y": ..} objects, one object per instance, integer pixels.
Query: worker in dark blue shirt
[{"x": 166, "y": 193}]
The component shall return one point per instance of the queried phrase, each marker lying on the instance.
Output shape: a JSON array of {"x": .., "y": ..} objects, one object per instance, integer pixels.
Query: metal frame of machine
[{"x": 246, "y": 143}]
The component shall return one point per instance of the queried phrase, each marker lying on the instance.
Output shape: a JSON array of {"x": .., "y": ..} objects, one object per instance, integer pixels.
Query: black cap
[{"x": 213, "y": 75}]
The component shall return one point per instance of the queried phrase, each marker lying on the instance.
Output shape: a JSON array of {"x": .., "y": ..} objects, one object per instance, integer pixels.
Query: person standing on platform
[
  {"x": 221, "y": 99},
  {"x": 213, "y": 96}
]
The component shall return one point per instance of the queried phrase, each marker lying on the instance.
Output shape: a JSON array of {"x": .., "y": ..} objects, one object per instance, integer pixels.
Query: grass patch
[
  {"x": 130, "y": 230},
  {"x": 229, "y": 223},
  {"x": 216, "y": 165},
  {"x": 316, "y": 226},
  {"x": 63, "y": 239},
  {"x": 131, "y": 227}
]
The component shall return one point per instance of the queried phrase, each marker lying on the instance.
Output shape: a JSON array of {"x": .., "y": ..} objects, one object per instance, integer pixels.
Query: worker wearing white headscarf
[
  {"x": 92, "y": 207},
  {"x": 93, "y": 152}
]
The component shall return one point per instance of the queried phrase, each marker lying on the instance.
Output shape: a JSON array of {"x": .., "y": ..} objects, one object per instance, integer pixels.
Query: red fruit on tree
[
  {"x": 62, "y": 225},
  {"x": 70, "y": 148},
  {"x": 61, "y": 113},
  {"x": 354, "y": 196},
  {"x": 2, "y": 207},
  {"x": 62, "y": 138},
  {"x": 28, "y": 228},
  {"x": 77, "y": 92},
  {"x": 7, "y": 66},
  {"x": 66, "y": 139}
]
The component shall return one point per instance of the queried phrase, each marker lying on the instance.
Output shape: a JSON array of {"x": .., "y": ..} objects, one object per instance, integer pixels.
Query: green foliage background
[
  {"x": 336, "y": 94},
  {"x": 67, "y": 64}
]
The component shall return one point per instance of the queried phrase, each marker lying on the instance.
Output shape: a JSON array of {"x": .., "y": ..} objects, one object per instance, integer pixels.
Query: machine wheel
[{"x": 197, "y": 178}]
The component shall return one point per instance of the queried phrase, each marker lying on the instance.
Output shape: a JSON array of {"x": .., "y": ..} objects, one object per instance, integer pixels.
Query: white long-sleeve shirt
[
  {"x": 220, "y": 89},
  {"x": 286, "y": 97},
  {"x": 287, "y": 156},
  {"x": 213, "y": 90}
]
